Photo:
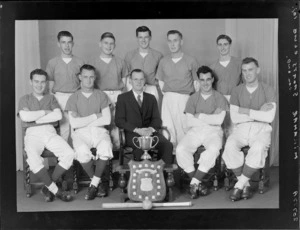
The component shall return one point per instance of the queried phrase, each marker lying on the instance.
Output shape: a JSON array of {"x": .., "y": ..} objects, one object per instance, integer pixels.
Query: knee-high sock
[
  {"x": 88, "y": 168},
  {"x": 100, "y": 167},
  {"x": 58, "y": 171},
  {"x": 43, "y": 175}
]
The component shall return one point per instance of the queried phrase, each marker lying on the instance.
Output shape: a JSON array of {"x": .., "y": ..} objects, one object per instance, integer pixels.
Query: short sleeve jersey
[
  {"x": 109, "y": 75},
  {"x": 178, "y": 77},
  {"x": 197, "y": 104},
  {"x": 48, "y": 102},
  {"x": 148, "y": 64},
  {"x": 263, "y": 94},
  {"x": 65, "y": 76},
  {"x": 229, "y": 76},
  {"x": 84, "y": 106}
]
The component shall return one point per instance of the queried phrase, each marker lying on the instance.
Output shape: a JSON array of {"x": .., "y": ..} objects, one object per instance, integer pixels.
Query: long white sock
[
  {"x": 53, "y": 188},
  {"x": 241, "y": 182},
  {"x": 95, "y": 181},
  {"x": 195, "y": 181}
]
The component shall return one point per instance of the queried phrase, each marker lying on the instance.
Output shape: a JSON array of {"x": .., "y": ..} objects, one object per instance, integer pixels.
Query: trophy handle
[
  {"x": 133, "y": 139},
  {"x": 152, "y": 146}
]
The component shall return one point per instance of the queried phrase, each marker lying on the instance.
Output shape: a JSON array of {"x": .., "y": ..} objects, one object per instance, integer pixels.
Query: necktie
[{"x": 139, "y": 100}]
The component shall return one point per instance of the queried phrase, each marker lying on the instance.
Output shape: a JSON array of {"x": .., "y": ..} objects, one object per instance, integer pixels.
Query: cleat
[
  {"x": 48, "y": 196},
  {"x": 246, "y": 194},
  {"x": 91, "y": 193},
  {"x": 194, "y": 192},
  {"x": 203, "y": 190},
  {"x": 236, "y": 194},
  {"x": 63, "y": 195},
  {"x": 102, "y": 190}
]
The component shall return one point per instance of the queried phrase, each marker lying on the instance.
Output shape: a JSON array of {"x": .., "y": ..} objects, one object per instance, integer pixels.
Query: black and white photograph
[{"x": 132, "y": 119}]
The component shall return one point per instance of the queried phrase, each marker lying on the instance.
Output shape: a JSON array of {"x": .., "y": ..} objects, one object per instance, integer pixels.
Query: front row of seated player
[{"x": 252, "y": 108}]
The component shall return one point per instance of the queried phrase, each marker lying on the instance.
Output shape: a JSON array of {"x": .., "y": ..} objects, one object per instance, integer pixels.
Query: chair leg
[
  {"x": 111, "y": 182},
  {"x": 263, "y": 181},
  {"x": 75, "y": 179},
  {"x": 27, "y": 182}
]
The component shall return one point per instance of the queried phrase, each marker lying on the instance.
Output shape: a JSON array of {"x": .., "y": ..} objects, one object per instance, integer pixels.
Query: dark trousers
[{"x": 164, "y": 147}]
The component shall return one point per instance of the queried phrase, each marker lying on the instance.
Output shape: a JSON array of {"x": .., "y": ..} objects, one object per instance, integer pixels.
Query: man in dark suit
[{"x": 137, "y": 113}]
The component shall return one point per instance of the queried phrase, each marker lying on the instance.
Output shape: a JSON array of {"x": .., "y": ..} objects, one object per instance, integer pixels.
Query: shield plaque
[{"x": 146, "y": 181}]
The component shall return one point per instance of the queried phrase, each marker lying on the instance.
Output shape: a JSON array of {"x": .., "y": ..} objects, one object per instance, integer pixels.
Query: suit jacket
[{"x": 130, "y": 116}]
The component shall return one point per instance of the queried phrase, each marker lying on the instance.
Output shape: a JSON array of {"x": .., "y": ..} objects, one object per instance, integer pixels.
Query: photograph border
[{"x": 286, "y": 217}]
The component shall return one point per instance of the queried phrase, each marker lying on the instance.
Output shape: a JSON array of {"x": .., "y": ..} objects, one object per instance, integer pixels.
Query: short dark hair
[
  {"x": 136, "y": 71},
  {"x": 175, "y": 32},
  {"x": 224, "y": 36},
  {"x": 87, "y": 67},
  {"x": 38, "y": 72},
  {"x": 248, "y": 60},
  {"x": 64, "y": 34},
  {"x": 204, "y": 70},
  {"x": 107, "y": 35},
  {"x": 142, "y": 29}
]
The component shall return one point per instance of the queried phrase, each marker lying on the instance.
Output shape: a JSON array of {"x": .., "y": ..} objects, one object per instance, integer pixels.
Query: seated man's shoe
[
  {"x": 102, "y": 190},
  {"x": 48, "y": 196},
  {"x": 91, "y": 193},
  {"x": 236, "y": 194},
  {"x": 63, "y": 195},
  {"x": 194, "y": 192},
  {"x": 246, "y": 194},
  {"x": 203, "y": 190}
]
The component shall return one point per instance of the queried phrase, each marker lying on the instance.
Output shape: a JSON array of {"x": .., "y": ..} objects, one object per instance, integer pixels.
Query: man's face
[
  {"x": 87, "y": 78},
  {"x": 38, "y": 84},
  {"x": 66, "y": 45},
  {"x": 107, "y": 45},
  {"x": 144, "y": 39},
  {"x": 223, "y": 47},
  {"x": 174, "y": 43},
  {"x": 250, "y": 72},
  {"x": 206, "y": 81},
  {"x": 138, "y": 81}
]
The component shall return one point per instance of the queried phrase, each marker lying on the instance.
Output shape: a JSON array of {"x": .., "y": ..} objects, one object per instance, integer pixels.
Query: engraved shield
[{"x": 146, "y": 181}]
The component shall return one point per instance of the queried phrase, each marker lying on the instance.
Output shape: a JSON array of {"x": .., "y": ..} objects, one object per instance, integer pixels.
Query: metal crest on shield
[{"x": 146, "y": 181}]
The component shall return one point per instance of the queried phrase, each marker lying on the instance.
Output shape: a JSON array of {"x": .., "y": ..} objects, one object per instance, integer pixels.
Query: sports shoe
[
  {"x": 48, "y": 196},
  {"x": 91, "y": 193},
  {"x": 246, "y": 194},
  {"x": 63, "y": 195},
  {"x": 102, "y": 190},
  {"x": 194, "y": 191},
  {"x": 203, "y": 190},
  {"x": 236, "y": 194}
]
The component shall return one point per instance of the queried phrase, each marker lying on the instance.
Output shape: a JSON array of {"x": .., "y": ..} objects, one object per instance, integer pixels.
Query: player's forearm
[
  {"x": 79, "y": 122},
  {"x": 30, "y": 116},
  {"x": 237, "y": 117},
  {"x": 263, "y": 116},
  {"x": 161, "y": 84},
  {"x": 194, "y": 122},
  {"x": 51, "y": 84},
  {"x": 105, "y": 119},
  {"x": 56, "y": 115},
  {"x": 213, "y": 119}
]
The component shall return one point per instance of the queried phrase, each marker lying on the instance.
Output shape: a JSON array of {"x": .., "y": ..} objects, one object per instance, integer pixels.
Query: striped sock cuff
[{"x": 248, "y": 171}]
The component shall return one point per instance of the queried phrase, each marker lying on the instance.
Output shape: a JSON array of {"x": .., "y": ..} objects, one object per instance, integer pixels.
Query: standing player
[
  {"x": 176, "y": 74},
  {"x": 228, "y": 70},
  {"x": 63, "y": 80},
  {"x": 89, "y": 112},
  {"x": 146, "y": 59},
  {"x": 38, "y": 111},
  {"x": 111, "y": 74},
  {"x": 205, "y": 112},
  {"x": 252, "y": 109}
]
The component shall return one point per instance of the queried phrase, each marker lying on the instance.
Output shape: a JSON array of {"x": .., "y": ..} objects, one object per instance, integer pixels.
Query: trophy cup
[{"x": 145, "y": 143}]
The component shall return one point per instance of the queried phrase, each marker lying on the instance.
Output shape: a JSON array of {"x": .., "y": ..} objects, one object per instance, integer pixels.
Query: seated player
[
  {"x": 38, "y": 111},
  {"x": 252, "y": 109},
  {"x": 89, "y": 112},
  {"x": 205, "y": 111},
  {"x": 137, "y": 113}
]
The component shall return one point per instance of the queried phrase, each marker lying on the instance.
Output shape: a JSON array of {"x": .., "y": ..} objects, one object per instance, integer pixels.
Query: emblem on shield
[{"x": 146, "y": 181}]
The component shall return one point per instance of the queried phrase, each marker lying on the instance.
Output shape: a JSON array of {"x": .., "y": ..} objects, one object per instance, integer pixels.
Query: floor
[{"x": 215, "y": 200}]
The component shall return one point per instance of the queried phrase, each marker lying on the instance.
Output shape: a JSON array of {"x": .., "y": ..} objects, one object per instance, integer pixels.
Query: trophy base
[{"x": 146, "y": 155}]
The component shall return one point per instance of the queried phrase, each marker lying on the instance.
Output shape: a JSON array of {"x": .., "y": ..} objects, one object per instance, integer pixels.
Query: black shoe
[
  {"x": 236, "y": 194},
  {"x": 102, "y": 190},
  {"x": 48, "y": 196},
  {"x": 63, "y": 195},
  {"x": 203, "y": 190},
  {"x": 91, "y": 193},
  {"x": 246, "y": 194},
  {"x": 194, "y": 192}
]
